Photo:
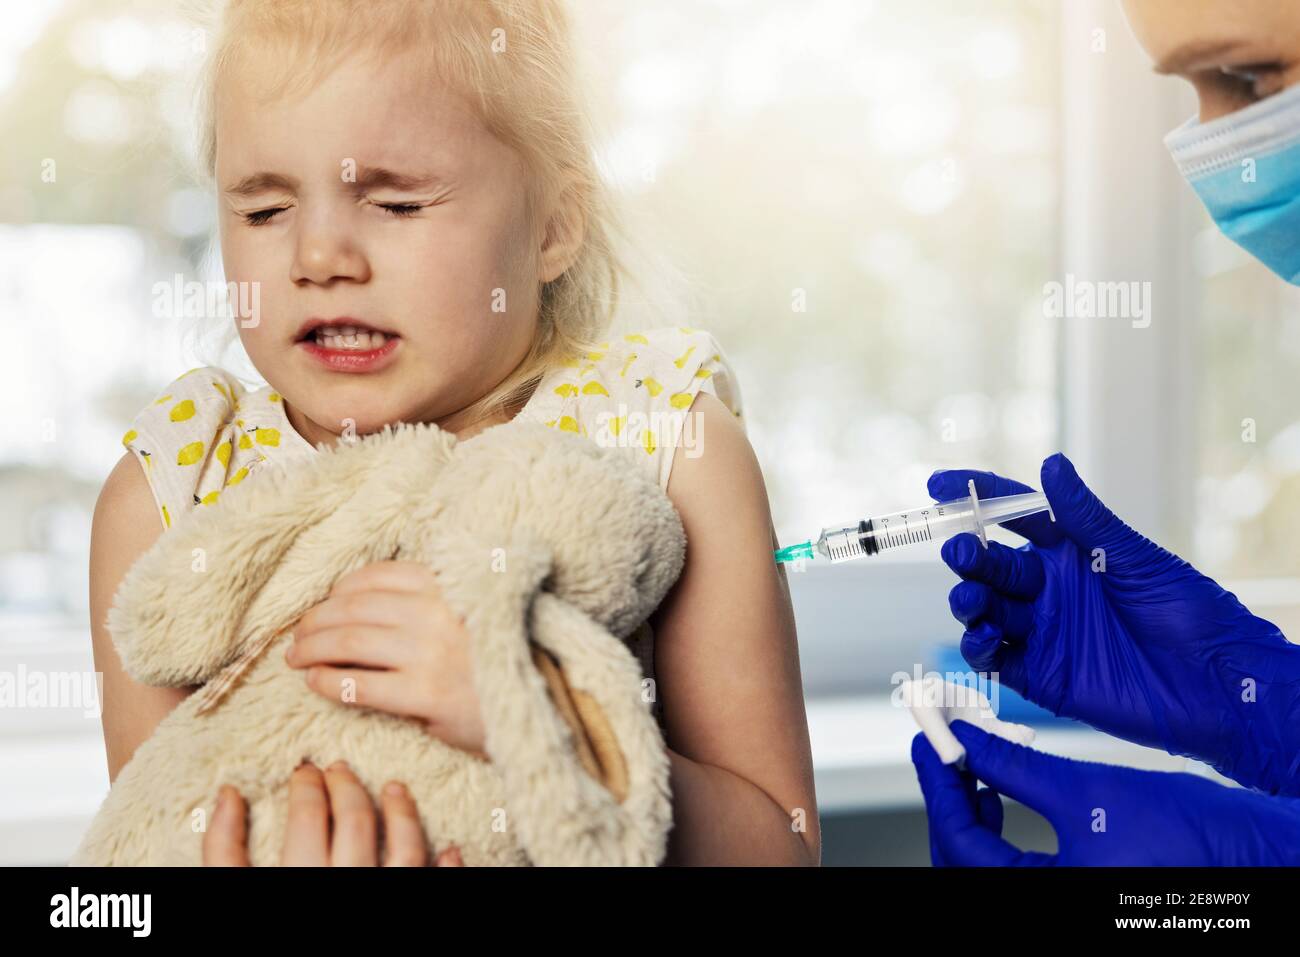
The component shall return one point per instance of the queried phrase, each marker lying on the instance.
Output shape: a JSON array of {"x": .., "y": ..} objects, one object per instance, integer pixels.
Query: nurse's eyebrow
[{"x": 1197, "y": 54}]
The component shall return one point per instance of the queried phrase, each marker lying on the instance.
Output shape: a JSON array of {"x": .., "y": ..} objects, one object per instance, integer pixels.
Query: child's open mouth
[{"x": 346, "y": 347}]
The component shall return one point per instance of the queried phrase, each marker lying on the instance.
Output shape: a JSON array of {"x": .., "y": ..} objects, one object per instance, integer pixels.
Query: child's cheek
[{"x": 470, "y": 283}]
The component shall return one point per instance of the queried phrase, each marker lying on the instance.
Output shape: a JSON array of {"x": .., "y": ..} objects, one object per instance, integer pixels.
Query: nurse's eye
[{"x": 1258, "y": 80}]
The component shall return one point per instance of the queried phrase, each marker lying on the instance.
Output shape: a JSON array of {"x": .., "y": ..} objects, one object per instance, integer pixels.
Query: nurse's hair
[{"x": 512, "y": 61}]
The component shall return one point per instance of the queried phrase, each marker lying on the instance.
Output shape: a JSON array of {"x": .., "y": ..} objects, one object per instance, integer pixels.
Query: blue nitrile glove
[
  {"x": 1095, "y": 622},
  {"x": 1102, "y": 815}
]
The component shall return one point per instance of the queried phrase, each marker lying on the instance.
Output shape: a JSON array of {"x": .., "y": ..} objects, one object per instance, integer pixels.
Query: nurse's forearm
[{"x": 719, "y": 818}]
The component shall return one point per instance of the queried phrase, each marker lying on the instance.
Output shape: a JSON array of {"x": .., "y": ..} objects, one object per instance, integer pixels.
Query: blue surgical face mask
[{"x": 1246, "y": 168}]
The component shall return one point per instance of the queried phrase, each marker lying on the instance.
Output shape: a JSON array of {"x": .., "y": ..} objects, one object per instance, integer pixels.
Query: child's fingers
[
  {"x": 307, "y": 831},
  {"x": 403, "y": 836},
  {"x": 225, "y": 842},
  {"x": 390, "y": 691},
  {"x": 360, "y": 607},
  {"x": 365, "y": 645},
  {"x": 355, "y": 836},
  {"x": 392, "y": 575},
  {"x": 450, "y": 857}
]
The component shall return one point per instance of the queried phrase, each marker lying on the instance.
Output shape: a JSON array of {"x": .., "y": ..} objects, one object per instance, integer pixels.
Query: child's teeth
[{"x": 349, "y": 337}]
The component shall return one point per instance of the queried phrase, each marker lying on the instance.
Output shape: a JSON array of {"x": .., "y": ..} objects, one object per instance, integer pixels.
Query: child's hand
[
  {"x": 331, "y": 823},
  {"x": 385, "y": 639}
]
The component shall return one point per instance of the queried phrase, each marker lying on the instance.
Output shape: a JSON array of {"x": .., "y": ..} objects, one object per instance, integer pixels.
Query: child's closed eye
[
  {"x": 262, "y": 216},
  {"x": 401, "y": 210}
]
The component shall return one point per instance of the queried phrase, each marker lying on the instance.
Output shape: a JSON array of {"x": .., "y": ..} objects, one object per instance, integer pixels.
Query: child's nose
[{"x": 325, "y": 252}]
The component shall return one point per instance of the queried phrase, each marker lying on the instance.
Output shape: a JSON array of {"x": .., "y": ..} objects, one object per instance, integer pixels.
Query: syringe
[{"x": 871, "y": 536}]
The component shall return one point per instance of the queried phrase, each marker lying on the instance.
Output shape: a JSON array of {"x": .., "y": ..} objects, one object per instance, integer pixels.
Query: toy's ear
[
  {"x": 582, "y": 762},
  {"x": 176, "y": 616},
  {"x": 192, "y": 602}
]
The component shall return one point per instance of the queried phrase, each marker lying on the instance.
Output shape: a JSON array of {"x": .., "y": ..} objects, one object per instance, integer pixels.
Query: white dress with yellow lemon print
[
  {"x": 205, "y": 433},
  {"x": 633, "y": 394}
]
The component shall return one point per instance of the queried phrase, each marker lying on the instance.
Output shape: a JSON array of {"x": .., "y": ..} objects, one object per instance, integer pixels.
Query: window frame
[{"x": 1128, "y": 395}]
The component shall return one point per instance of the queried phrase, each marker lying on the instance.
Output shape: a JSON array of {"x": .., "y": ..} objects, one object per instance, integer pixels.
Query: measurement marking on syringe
[{"x": 909, "y": 534}]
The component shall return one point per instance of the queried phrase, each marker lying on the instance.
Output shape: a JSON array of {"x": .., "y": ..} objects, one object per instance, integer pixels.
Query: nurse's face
[{"x": 1233, "y": 52}]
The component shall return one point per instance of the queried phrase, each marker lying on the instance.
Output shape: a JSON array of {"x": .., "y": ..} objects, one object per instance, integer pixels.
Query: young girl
[{"x": 410, "y": 186}]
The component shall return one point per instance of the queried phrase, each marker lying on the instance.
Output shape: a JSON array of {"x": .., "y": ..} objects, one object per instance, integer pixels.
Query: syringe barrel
[
  {"x": 871, "y": 536},
  {"x": 925, "y": 524},
  {"x": 842, "y": 543},
  {"x": 879, "y": 533}
]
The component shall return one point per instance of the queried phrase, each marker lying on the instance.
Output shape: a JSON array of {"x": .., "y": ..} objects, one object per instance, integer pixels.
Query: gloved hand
[
  {"x": 1095, "y": 622},
  {"x": 1102, "y": 815}
]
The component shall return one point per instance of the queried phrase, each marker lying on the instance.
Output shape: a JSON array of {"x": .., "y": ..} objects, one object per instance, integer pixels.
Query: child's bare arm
[
  {"x": 126, "y": 523},
  {"x": 727, "y": 662}
]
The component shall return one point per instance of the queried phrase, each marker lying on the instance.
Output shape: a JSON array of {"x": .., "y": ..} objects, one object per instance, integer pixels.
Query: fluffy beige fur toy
[{"x": 551, "y": 549}]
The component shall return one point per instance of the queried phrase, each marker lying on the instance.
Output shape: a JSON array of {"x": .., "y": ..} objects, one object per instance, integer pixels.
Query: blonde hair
[{"x": 513, "y": 61}]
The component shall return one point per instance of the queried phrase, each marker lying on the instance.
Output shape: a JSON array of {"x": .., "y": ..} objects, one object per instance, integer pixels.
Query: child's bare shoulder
[
  {"x": 723, "y": 466},
  {"x": 126, "y": 520}
]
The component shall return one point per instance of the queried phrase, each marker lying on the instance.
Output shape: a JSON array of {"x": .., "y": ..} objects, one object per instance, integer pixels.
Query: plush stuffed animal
[{"x": 552, "y": 550}]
